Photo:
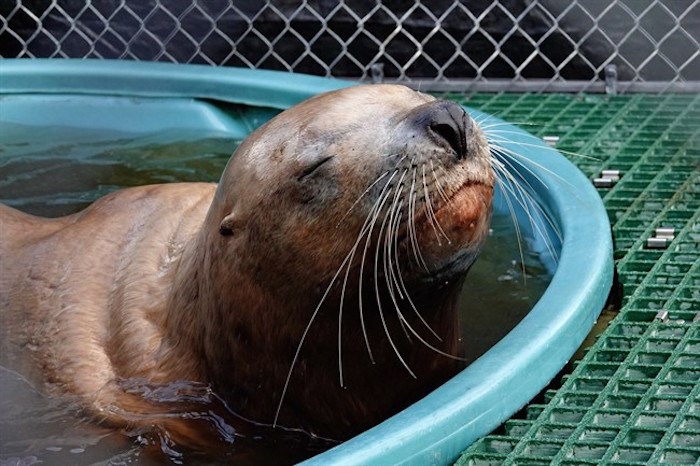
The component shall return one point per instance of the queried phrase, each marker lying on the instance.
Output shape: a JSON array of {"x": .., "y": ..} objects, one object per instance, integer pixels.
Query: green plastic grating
[{"x": 634, "y": 398}]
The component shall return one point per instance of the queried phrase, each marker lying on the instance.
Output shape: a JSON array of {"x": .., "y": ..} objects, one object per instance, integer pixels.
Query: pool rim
[{"x": 437, "y": 428}]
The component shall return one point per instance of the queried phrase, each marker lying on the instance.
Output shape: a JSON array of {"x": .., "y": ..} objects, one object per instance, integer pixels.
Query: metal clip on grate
[
  {"x": 661, "y": 239},
  {"x": 607, "y": 179}
]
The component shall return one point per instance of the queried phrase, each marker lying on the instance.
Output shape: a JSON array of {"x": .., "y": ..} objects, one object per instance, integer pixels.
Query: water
[
  {"x": 41, "y": 177},
  {"x": 52, "y": 180}
]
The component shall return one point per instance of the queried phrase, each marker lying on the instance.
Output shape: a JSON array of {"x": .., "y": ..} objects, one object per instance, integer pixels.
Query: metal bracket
[
  {"x": 662, "y": 238},
  {"x": 607, "y": 179}
]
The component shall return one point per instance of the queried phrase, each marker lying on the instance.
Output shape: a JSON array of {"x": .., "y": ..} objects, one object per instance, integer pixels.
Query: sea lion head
[
  {"x": 341, "y": 222},
  {"x": 405, "y": 170}
]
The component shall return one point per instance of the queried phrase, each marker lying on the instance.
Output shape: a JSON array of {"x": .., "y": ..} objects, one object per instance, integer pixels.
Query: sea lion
[{"x": 312, "y": 288}]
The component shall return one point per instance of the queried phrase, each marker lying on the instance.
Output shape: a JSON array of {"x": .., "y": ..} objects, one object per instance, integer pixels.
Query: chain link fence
[{"x": 534, "y": 45}]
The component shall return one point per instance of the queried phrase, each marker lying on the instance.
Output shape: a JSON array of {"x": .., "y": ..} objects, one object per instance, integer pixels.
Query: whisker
[
  {"x": 498, "y": 124},
  {"x": 438, "y": 184},
  {"x": 384, "y": 195},
  {"x": 508, "y": 159},
  {"x": 522, "y": 160},
  {"x": 425, "y": 343},
  {"x": 514, "y": 219},
  {"x": 431, "y": 213},
  {"x": 379, "y": 303},
  {"x": 389, "y": 275},
  {"x": 525, "y": 199},
  {"x": 518, "y": 188},
  {"x": 402, "y": 284},
  {"x": 396, "y": 205},
  {"x": 509, "y": 168},
  {"x": 529, "y": 200},
  {"x": 537, "y": 143},
  {"x": 303, "y": 337},
  {"x": 364, "y": 193},
  {"x": 412, "y": 224},
  {"x": 511, "y": 158},
  {"x": 366, "y": 227},
  {"x": 311, "y": 320}
]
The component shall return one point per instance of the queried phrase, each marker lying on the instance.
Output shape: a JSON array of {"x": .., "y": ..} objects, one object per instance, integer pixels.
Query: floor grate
[{"x": 634, "y": 398}]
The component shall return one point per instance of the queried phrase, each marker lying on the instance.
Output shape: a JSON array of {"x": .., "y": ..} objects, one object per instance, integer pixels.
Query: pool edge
[{"x": 430, "y": 431}]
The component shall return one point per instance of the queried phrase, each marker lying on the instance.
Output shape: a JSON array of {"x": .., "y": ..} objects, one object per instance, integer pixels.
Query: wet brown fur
[{"x": 144, "y": 285}]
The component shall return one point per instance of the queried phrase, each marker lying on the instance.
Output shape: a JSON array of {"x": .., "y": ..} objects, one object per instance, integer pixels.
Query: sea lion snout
[{"x": 447, "y": 124}]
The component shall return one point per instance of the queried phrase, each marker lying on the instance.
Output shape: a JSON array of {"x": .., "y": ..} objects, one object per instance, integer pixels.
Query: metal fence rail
[{"x": 542, "y": 45}]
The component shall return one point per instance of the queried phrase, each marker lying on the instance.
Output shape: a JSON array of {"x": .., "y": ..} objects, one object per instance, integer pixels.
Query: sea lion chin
[{"x": 313, "y": 287}]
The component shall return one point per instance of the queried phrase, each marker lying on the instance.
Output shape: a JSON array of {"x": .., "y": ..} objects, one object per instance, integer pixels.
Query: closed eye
[{"x": 308, "y": 171}]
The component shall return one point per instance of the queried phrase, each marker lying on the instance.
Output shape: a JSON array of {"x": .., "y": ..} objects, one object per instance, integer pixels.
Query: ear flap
[{"x": 227, "y": 225}]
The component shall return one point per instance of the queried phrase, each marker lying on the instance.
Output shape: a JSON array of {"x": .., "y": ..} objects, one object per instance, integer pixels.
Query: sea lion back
[
  {"x": 18, "y": 229},
  {"x": 64, "y": 282}
]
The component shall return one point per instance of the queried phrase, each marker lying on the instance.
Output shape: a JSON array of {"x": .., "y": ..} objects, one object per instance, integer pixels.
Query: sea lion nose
[{"x": 450, "y": 122}]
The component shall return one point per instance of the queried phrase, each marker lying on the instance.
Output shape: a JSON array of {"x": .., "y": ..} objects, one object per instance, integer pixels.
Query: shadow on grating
[{"x": 634, "y": 397}]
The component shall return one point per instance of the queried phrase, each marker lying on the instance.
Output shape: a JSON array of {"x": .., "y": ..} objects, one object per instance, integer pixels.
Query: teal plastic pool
[{"x": 134, "y": 97}]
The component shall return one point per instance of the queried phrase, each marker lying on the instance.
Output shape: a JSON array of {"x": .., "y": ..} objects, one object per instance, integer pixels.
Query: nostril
[
  {"x": 450, "y": 133},
  {"x": 451, "y": 123}
]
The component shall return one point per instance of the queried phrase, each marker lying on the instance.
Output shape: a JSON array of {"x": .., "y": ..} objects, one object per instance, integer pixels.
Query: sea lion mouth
[
  {"x": 441, "y": 204},
  {"x": 445, "y": 203},
  {"x": 443, "y": 233}
]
